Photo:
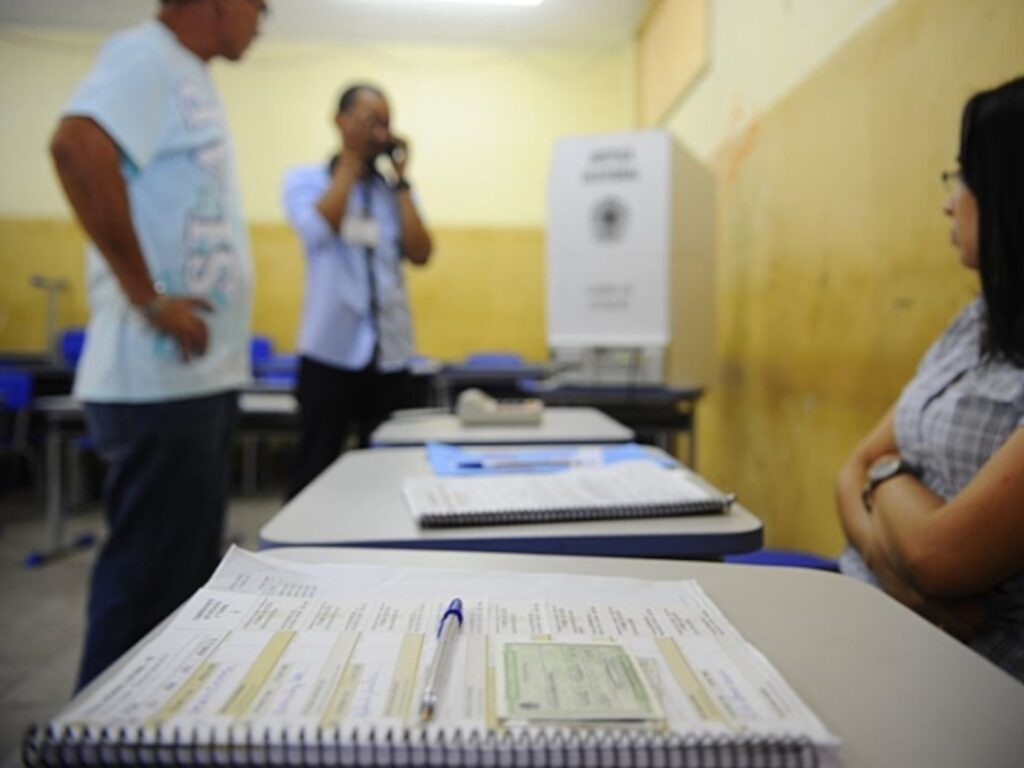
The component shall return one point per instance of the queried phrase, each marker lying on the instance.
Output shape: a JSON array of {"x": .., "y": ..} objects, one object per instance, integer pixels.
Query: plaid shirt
[{"x": 954, "y": 414}]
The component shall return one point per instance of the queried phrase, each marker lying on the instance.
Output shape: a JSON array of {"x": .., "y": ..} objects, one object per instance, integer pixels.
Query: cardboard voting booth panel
[{"x": 629, "y": 251}]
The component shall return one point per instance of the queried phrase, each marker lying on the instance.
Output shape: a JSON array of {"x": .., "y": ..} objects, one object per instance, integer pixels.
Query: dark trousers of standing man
[
  {"x": 165, "y": 495},
  {"x": 333, "y": 401}
]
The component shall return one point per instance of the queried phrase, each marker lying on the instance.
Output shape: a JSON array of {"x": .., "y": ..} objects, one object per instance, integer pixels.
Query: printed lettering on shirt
[
  {"x": 212, "y": 273},
  {"x": 201, "y": 230},
  {"x": 197, "y": 109},
  {"x": 214, "y": 160},
  {"x": 210, "y": 261}
]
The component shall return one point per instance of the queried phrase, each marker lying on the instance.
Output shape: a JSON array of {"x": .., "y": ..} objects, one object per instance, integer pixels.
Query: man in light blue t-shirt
[{"x": 144, "y": 157}]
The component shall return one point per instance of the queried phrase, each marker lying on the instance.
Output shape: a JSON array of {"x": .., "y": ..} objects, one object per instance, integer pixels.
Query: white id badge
[{"x": 360, "y": 230}]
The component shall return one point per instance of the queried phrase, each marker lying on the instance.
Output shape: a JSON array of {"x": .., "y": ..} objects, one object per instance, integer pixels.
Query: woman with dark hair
[{"x": 932, "y": 500}]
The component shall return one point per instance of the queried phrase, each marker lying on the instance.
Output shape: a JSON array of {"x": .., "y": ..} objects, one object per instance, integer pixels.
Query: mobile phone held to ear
[{"x": 396, "y": 151}]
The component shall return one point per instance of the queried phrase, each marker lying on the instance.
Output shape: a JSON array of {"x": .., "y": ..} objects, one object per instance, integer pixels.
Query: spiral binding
[
  {"x": 243, "y": 747},
  {"x": 574, "y": 514}
]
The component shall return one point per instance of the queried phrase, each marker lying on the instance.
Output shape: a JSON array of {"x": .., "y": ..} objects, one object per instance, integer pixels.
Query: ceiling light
[{"x": 475, "y": 2}]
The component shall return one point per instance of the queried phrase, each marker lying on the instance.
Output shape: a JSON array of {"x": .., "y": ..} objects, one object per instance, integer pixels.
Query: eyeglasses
[
  {"x": 951, "y": 178},
  {"x": 371, "y": 121}
]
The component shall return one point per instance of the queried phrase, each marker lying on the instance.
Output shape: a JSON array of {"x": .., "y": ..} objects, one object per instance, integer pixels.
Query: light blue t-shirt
[
  {"x": 339, "y": 326},
  {"x": 157, "y": 101}
]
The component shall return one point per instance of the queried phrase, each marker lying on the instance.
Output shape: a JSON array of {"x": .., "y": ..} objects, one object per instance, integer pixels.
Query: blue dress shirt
[{"x": 341, "y": 325}]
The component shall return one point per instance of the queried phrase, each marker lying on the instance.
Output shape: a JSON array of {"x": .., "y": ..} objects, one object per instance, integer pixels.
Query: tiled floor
[{"x": 42, "y": 609}]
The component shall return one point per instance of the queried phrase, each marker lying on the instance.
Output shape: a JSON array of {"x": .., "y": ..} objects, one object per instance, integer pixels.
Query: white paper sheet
[{"x": 273, "y": 645}]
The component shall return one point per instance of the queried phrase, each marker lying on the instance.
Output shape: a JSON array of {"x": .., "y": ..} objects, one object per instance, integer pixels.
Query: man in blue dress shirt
[
  {"x": 356, "y": 228},
  {"x": 145, "y": 159}
]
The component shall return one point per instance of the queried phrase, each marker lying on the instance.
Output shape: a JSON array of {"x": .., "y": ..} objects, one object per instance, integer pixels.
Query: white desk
[
  {"x": 897, "y": 691},
  {"x": 270, "y": 404},
  {"x": 559, "y": 426},
  {"x": 357, "y": 501},
  {"x": 63, "y": 418}
]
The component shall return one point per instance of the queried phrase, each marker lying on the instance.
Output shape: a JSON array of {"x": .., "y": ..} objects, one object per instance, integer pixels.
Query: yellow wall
[
  {"x": 757, "y": 52},
  {"x": 481, "y": 120},
  {"x": 834, "y": 269},
  {"x": 484, "y": 290},
  {"x": 51, "y": 247},
  {"x": 671, "y": 50}
]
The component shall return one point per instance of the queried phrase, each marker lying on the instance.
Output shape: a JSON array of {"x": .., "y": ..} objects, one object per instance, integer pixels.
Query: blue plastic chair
[
  {"x": 785, "y": 557},
  {"x": 72, "y": 341},
  {"x": 261, "y": 350},
  {"x": 16, "y": 398},
  {"x": 271, "y": 371},
  {"x": 269, "y": 368},
  {"x": 16, "y": 403},
  {"x": 15, "y": 390},
  {"x": 493, "y": 360}
]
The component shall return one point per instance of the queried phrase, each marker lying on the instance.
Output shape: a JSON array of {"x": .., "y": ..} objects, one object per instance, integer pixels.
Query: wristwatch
[
  {"x": 882, "y": 470},
  {"x": 151, "y": 309}
]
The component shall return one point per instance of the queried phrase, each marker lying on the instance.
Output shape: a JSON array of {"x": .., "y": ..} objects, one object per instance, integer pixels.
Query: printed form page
[{"x": 275, "y": 647}]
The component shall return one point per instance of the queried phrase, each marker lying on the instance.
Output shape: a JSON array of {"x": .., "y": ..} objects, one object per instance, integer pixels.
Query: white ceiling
[{"x": 554, "y": 22}]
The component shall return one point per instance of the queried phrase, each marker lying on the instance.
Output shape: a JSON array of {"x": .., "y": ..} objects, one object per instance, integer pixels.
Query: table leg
[
  {"x": 250, "y": 462},
  {"x": 693, "y": 437},
  {"x": 441, "y": 394},
  {"x": 668, "y": 441},
  {"x": 54, "y": 491}
]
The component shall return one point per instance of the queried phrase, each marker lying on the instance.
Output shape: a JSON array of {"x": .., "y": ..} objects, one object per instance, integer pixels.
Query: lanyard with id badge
[{"x": 361, "y": 231}]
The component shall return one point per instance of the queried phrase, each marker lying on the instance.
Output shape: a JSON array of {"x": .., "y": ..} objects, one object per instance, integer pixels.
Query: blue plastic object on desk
[{"x": 453, "y": 460}]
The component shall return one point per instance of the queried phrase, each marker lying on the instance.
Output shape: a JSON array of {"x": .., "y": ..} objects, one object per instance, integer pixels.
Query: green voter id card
[{"x": 566, "y": 681}]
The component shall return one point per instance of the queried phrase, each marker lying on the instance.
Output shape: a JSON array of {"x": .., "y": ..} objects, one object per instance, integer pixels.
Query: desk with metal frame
[
  {"x": 49, "y": 377},
  {"x": 498, "y": 380},
  {"x": 63, "y": 418},
  {"x": 559, "y": 426},
  {"x": 358, "y": 501},
  {"x": 659, "y": 411}
]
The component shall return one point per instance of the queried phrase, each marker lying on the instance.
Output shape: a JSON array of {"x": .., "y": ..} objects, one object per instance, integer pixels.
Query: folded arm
[
  {"x": 966, "y": 545},
  {"x": 869, "y": 532}
]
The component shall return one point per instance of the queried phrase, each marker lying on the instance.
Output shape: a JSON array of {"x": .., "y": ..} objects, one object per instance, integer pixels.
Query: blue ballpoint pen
[
  {"x": 512, "y": 463},
  {"x": 450, "y": 623}
]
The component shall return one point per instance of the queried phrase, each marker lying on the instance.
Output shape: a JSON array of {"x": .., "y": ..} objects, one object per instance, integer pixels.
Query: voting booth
[{"x": 630, "y": 244}]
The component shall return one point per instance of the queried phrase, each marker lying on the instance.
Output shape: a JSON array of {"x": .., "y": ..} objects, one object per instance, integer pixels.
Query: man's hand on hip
[{"x": 178, "y": 317}]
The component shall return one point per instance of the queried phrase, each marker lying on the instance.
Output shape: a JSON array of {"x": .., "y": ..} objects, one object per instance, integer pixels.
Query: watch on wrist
[
  {"x": 882, "y": 470},
  {"x": 151, "y": 309},
  {"x": 401, "y": 184}
]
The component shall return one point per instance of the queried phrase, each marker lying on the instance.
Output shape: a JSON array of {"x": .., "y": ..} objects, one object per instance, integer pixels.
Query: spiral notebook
[
  {"x": 279, "y": 663},
  {"x": 618, "y": 491}
]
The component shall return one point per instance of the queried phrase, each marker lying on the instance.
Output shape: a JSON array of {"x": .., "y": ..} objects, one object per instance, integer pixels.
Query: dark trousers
[
  {"x": 332, "y": 403},
  {"x": 165, "y": 495}
]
